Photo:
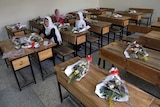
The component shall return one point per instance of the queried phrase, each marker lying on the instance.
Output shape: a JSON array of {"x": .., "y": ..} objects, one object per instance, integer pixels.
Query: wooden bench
[
  {"x": 147, "y": 13},
  {"x": 92, "y": 39},
  {"x": 64, "y": 51}
]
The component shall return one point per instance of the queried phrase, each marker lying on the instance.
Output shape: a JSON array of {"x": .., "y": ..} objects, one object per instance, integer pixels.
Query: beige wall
[
  {"x": 125, "y": 4},
  {"x": 13, "y": 11}
]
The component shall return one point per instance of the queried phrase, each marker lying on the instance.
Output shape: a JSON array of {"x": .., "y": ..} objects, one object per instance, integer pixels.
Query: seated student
[
  {"x": 50, "y": 31},
  {"x": 80, "y": 23},
  {"x": 58, "y": 17}
]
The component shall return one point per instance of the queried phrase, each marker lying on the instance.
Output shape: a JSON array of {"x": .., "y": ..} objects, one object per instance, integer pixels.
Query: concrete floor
[{"x": 45, "y": 93}]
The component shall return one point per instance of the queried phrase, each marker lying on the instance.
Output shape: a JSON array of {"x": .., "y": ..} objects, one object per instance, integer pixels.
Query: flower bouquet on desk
[
  {"x": 112, "y": 88},
  {"x": 78, "y": 70},
  {"x": 135, "y": 50}
]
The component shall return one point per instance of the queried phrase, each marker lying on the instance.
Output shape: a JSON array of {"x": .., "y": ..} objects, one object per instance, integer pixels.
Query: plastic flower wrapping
[
  {"x": 78, "y": 70},
  {"x": 135, "y": 50},
  {"x": 27, "y": 42},
  {"x": 112, "y": 88}
]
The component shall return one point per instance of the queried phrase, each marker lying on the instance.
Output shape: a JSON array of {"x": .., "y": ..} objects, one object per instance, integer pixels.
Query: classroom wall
[
  {"x": 13, "y": 11},
  {"x": 125, "y": 4}
]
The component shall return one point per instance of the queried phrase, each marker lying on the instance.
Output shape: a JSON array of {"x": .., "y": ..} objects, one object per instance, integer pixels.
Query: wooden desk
[
  {"x": 108, "y": 9},
  {"x": 99, "y": 27},
  {"x": 158, "y": 19},
  {"x": 148, "y": 70},
  {"x": 86, "y": 15},
  {"x": 134, "y": 16},
  {"x": 23, "y": 60},
  {"x": 14, "y": 32},
  {"x": 96, "y": 11},
  {"x": 155, "y": 26},
  {"x": 151, "y": 40},
  {"x": 123, "y": 21},
  {"x": 84, "y": 89},
  {"x": 36, "y": 25},
  {"x": 74, "y": 38}
]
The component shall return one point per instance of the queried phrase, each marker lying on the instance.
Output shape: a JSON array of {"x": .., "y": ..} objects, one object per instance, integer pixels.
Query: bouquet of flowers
[
  {"x": 78, "y": 70},
  {"x": 135, "y": 50},
  {"x": 35, "y": 38},
  {"x": 112, "y": 88}
]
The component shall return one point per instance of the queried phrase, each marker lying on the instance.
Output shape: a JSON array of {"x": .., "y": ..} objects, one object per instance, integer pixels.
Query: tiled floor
[{"x": 45, "y": 93}]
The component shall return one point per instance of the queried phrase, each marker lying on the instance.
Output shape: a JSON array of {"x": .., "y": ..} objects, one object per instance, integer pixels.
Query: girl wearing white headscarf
[
  {"x": 50, "y": 31},
  {"x": 80, "y": 23}
]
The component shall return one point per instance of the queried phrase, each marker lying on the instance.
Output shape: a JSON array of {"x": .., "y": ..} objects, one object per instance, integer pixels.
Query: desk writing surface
[
  {"x": 121, "y": 21},
  {"x": 84, "y": 89},
  {"x": 151, "y": 40},
  {"x": 100, "y": 27},
  {"x": 74, "y": 38},
  {"x": 134, "y": 16},
  {"x": 7, "y": 46},
  {"x": 148, "y": 70},
  {"x": 155, "y": 24}
]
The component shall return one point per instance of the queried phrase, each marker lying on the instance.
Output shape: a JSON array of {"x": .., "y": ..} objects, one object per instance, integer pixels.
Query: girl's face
[
  {"x": 77, "y": 17},
  {"x": 57, "y": 12},
  {"x": 46, "y": 22}
]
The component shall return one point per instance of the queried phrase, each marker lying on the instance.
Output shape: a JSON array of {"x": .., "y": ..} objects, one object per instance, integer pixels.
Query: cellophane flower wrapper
[
  {"x": 135, "y": 50},
  {"x": 112, "y": 87},
  {"x": 77, "y": 70}
]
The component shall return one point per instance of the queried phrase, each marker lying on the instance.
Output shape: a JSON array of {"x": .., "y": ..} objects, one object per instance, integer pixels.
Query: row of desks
[
  {"x": 148, "y": 70},
  {"x": 84, "y": 90}
]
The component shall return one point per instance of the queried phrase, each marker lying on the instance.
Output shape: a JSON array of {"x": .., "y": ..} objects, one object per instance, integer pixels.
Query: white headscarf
[
  {"x": 50, "y": 27},
  {"x": 80, "y": 23}
]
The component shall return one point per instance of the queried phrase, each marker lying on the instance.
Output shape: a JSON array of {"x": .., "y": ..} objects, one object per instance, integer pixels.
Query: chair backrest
[{"x": 139, "y": 29}]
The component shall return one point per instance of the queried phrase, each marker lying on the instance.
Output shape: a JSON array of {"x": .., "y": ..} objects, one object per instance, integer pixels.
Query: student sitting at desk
[
  {"x": 80, "y": 23},
  {"x": 50, "y": 31},
  {"x": 58, "y": 17}
]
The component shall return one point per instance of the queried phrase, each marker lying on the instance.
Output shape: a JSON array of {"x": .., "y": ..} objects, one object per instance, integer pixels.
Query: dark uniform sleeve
[
  {"x": 52, "y": 34},
  {"x": 42, "y": 31}
]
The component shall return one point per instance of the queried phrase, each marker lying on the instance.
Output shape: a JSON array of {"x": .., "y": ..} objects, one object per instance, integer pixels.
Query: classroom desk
[
  {"x": 134, "y": 16},
  {"x": 14, "y": 32},
  {"x": 156, "y": 26},
  {"x": 122, "y": 21},
  {"x": 23, "y": 60},
  {"x": 84, "y": 90},
  {"x": 148, "y": 70},
  {"x": 86, "y": 15},
  {"x": 96, "y": 11},
  {"x": 151, "y": 40},
  {"x": 74, "y": 38},
  {"x": 36, "y": 25},
  {"x": 99, "y": 27}
]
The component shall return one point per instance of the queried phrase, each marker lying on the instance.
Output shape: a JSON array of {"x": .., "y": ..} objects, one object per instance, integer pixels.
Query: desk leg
[
  {"x": 85, "y": 49},
  {"x": 76, "y": 49},
  {"x": 16, "y": 77},
  {"x": 104, "y": 64},
  {"x": 101, "y": 36},
  {"x": 60, "y": 92},
  {"x": 99, "y": 61},
  {"x": 42, "y": 75}
]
